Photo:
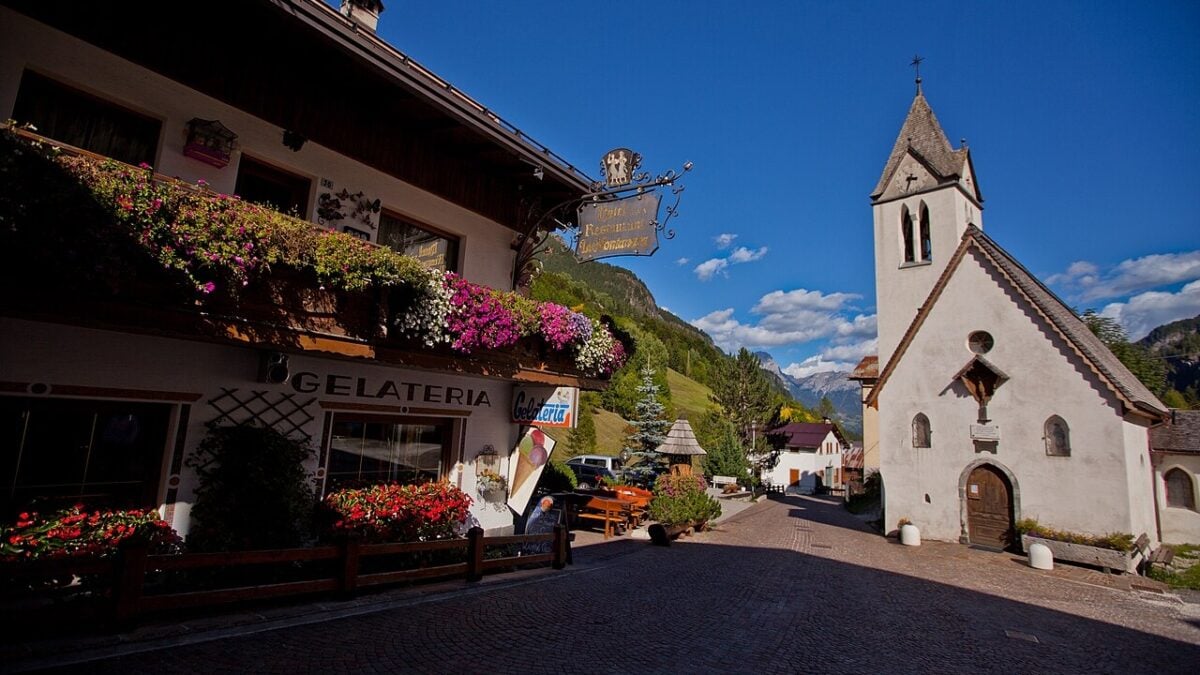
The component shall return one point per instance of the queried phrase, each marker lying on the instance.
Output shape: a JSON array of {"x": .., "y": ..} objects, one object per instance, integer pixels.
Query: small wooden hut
[{"x": 680, "y": 447}]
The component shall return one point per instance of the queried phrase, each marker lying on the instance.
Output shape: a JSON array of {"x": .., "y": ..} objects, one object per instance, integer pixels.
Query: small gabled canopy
[
  {"x": 681, "y": 440},
  {"x": 981, "y": 378}
]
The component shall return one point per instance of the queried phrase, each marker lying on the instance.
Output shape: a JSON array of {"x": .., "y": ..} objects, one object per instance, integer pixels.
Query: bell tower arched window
[
  {"x": 921, "y": 433},
  {"x": 906, "y": 233},
  {"x": 926, "y": 242},
  {"x": 1058, "y": 437},
  {"x": 1181, "y": 492}
]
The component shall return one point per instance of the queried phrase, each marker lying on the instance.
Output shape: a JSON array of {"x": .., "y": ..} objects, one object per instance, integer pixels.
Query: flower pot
[
  {"x": 1040, "y": 557},
  {"x": 910, "y": 535}
]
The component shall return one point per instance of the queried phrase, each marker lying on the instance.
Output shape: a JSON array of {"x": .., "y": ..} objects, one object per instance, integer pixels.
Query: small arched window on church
[
  {"x": 906, "y": 233},
  {"x": 922, "y": 434},
  {"x": 926, "y": 242},
  {"x": 1181, "y": 493},
  {"x": 1058, "y": 437}
]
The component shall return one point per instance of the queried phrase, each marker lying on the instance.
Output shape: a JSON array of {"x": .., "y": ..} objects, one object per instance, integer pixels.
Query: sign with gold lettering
[{"x": 618, "y": 227}]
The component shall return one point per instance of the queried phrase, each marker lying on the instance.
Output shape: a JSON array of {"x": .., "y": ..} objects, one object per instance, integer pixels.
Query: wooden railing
[{"x": 129, "y": 569}]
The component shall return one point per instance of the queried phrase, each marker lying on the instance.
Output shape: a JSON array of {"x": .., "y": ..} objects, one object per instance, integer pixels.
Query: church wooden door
[{"x": 989, "y": 508}]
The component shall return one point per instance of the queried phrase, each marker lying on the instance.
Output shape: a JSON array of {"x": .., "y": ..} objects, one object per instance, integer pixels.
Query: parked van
[{"x": 608, "y": 462}]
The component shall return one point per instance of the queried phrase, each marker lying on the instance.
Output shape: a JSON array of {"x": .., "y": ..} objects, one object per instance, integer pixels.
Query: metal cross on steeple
[{"x": 916, "y": 64}]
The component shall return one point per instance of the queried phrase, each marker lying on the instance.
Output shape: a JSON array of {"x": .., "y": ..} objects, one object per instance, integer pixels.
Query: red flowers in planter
[
  {"x": 399, "y": 512},
  {"x": 76, "y": 532}
]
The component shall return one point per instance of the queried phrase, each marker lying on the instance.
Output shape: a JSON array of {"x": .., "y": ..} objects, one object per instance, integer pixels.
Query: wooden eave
[{"x": 296, "y": 60}]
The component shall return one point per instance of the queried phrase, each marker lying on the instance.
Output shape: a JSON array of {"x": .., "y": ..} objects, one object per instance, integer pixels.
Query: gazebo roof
[{"x": 681, "y": 440}]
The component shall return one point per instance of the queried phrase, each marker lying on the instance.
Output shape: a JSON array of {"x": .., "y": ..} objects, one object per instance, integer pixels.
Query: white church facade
[{"x": 994, "y": 401}]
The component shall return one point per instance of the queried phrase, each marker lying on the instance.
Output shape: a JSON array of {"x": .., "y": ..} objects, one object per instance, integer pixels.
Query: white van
[{"x": 613, "y": 464}]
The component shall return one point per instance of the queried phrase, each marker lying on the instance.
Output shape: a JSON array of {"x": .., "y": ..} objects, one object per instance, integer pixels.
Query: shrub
[
  {"x": 558, "y": 477},
  {"x": 74, "y": 532},
  {"x": 682, "y": 499},
  {"x": 1116, "y": 541},
  {"x": 253, "y": 493},
  {"x": 395, "y": 512}
]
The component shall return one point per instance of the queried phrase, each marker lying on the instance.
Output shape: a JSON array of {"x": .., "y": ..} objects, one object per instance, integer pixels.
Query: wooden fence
[{"x": 128, "y": 570}]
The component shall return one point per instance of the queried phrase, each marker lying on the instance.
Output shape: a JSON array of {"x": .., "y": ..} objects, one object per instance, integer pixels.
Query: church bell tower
[{"x": 923, "y": 203}]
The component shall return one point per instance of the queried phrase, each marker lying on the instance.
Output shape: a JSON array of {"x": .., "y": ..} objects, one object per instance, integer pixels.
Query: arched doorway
[{"x": 990, "y": 513}]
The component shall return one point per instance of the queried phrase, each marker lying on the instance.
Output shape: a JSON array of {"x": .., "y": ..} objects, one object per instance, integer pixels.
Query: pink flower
[{"x": 208, "y": 287}]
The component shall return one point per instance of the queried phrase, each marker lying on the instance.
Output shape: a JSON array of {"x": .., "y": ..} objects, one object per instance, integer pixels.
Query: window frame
[
  {"x": 264, "y": 169},
  {"x": 925, "y": 428},
  {"x": 1189, "y": 494},
  {"x": 1053, "y": 448},
  {"x": 453, "y": 262},
  {"x": 451, "y": 443},
  {"x": 924, "y": 241},
  {"x": 908, "y": 256}
]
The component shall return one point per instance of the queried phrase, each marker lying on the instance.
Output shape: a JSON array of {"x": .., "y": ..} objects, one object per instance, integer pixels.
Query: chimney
[
  {"x": 826, "y": 420},
  {"x": 365, "y": 13}
]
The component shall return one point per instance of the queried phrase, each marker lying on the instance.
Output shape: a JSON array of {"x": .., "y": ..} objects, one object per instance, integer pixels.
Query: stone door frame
[{"x": 964, "y": 536}]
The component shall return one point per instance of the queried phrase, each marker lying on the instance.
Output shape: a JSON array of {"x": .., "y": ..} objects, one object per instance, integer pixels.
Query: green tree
[
  {"x": 1174, "y": 399},
  {"x": 825, "y": 409},
  {"x": 649, "y": 425},
  {"x": 743, "y": 392},
  {"x": 726, "y": 457},
  {"x": 1150, "y": 370},
  {"x": 582, "y": 439}
]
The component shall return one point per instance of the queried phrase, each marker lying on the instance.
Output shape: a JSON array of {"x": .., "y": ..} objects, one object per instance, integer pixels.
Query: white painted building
[
  {"x": 810, "y": 457},
  {"x": 321, "y": 107},
  {"x": 995, "y": 402},
  {"x": 1176, "y": 450}
]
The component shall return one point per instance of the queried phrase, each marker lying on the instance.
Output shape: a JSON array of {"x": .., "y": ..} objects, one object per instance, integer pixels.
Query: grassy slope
[{"x": 690, "y": 398}]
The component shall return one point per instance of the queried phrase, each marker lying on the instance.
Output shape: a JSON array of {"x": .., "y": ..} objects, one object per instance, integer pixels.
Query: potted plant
[
  {"x": 910, "y": 535},
  {"x": 489, "y": 482},
  {"x": 1116, "y": 550}
]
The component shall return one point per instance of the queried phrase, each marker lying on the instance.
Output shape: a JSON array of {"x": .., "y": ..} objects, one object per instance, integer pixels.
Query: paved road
[{"x": 788, "y": 585}]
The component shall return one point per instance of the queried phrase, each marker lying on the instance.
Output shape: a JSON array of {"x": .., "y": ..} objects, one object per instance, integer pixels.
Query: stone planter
[
  {"x": 910, "y": 535},
  {"x": 1087, "y": 555}
]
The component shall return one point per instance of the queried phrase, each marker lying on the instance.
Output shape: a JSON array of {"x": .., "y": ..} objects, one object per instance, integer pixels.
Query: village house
[
  {"x": 294, "y": 105},
  {"x": 1175, "y": 451},
  {"x": 810, "y": 456},
  {"x": 994, "y": 401}
]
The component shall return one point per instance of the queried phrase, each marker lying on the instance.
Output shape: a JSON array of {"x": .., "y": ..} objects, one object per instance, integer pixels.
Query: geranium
[
  {"x": 75, "y": 532},
  {"x": 395, "y": 512}
]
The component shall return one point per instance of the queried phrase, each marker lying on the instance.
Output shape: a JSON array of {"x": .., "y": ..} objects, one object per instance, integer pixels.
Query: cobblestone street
[{"x": 789, "y": 585}]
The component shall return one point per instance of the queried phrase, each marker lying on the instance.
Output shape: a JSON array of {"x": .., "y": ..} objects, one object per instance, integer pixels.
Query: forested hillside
[{"x": 1177, "y": 345}]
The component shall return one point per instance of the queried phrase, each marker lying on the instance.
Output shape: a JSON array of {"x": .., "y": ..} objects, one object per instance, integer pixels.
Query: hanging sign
[
  {"x": 545, "y": 406},
  {"x": 525, "y": 465},
  {"x": 618, "y": 227}
]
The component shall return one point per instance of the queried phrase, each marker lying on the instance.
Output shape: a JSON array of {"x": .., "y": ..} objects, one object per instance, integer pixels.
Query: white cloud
[
  {"x": 682, "y": 261},
  {"x": 724, "y": 240},
  {"x": 794, "y": 317},
  {"x": 816, "y": 364},
  {"x": 1146, "y": 311},
  {"x": 1084, "y": 281},
  {"x": 708, "y": 268},
  {"x": 852, "y": 352},
  {"x": 780, "y": 302},
  {"x": 742, "y": 254}
]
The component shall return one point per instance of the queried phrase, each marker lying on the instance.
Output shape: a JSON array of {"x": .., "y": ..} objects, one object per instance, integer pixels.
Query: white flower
[{"x": 427, "y": 319}]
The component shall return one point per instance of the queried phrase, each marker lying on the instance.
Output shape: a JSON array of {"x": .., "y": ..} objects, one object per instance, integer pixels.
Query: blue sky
[{"x": 1082, "y": 118}]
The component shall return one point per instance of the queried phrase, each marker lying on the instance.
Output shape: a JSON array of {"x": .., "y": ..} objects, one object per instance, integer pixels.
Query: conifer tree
[
  {"x": 648, "y": 427},
  {"x": 582, "y": 439}
]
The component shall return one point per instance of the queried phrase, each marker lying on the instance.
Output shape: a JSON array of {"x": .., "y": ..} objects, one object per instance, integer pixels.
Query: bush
[
  {"x": 682, "y": 499},
  {"x": 75, "y": 532},
  {"x": 1116, "y": 541},
  {"x": 558, "y": 477},
  {"x": 254, "y": 492},
  {"x": 398, "y": 512}
]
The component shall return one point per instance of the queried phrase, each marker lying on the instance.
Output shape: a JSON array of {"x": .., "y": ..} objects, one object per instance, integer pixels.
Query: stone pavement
[{"x": 790, "y": 584}]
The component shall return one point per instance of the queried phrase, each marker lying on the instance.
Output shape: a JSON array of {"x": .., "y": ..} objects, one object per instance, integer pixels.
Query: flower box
[{"x": 1086, "y": 555}]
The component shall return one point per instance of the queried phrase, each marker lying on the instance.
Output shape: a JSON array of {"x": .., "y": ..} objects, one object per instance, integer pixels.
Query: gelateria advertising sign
[
  {"x": 525, "y": 466},
  {"x": 618, "y": 227},
  {"x": 543, "y": 406}
]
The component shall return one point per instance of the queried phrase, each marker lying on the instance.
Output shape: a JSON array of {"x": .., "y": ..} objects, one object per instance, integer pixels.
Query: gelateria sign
[
  {"x": 388, "y": 390},
  {"x": 545, "y": 406},
  {"x": 614, "y": 227}
]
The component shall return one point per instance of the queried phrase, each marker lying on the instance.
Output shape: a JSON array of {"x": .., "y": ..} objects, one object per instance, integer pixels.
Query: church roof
[
  {"x": 1181, "y": 434},
  {"x": 867, "y": 369},
  {"x": 923, "y": 135},
  {"x": 1064, "y": 321}
]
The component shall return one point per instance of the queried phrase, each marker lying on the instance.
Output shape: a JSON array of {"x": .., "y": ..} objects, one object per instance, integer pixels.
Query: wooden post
[
  {"x": 560, "y": 547},
  {"x": 475, "y": 554},
  {"x": 129, "y": 577},
  {"x": 350, "y": 553}
]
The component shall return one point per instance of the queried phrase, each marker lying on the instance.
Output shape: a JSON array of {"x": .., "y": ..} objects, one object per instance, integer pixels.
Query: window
[
  {"x": 926, "y": 242},
  {"x": 56, "y": 452},
  {"x": 366, "y": 449},
  {"x": 435, "y": 250},
  {"x": 906, "y": 231},
  {"x": 82, "y": 120},
  {"x": 274, "y": 188},
  {"x": 980, "y": 342},
  {"x": 1180, "y": 490},
  {"x": 921, "y": 433},
  {"x": 1058, "y": 437}
]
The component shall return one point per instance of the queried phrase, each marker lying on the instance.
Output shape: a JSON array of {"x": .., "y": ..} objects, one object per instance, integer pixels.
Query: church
[{"x": 994, "y": 402}]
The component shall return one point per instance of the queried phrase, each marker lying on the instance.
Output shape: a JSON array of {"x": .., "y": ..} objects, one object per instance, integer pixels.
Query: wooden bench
[
  {"x": 722, "y": 481},
  {"x": 637, "y": 498},
  {"x": 614, "y": 513}
]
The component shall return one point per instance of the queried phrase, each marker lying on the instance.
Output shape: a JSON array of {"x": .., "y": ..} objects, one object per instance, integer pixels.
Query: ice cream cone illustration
[{"x": 525, "y": 469}]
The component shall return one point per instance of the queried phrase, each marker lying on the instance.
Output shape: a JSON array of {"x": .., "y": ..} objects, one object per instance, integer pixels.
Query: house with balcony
[
  {"x": 244, "y": 212},
  {"x": 809, "y": 458}
]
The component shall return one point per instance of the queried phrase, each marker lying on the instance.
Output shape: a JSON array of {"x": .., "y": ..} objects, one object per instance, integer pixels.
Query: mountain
[
  {"x": 844, "y": 394},
  {"x": 1178, "y": 345}
]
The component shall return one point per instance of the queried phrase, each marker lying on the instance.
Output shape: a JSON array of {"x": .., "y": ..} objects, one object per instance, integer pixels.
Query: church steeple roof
[{"x": 923, "y": 136}]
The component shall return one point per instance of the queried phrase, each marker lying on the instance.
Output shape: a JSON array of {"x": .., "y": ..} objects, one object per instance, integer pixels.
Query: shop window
[
  {"x": 75, "y": 118},
  {"x": 271, "y": 187},
  {"x": 57, "y": 452},
  {"x": 1181, "y": 493},
  {"x": 1058, "y": 437},
  {"x": 368, "y": 449},
  {"x": 921, "y": 433},
  {"x": 434, "y": 249}
]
